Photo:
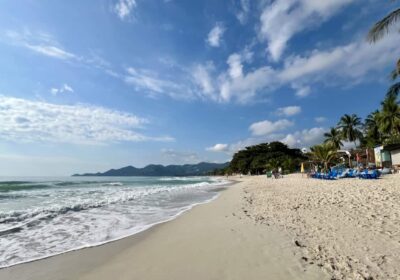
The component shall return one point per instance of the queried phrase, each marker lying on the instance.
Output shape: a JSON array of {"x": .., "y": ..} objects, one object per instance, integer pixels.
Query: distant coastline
[{"x": 157, "y": 170}]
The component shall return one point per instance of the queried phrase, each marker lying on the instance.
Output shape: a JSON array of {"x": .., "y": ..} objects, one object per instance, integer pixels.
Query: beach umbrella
[{"x": 302, "y": 167}]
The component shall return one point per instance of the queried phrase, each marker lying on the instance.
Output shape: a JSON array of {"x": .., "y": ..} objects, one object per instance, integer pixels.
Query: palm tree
[
  {"x": 394, "y": 90},
  {"x": 350, "y": 128},
  {"x": 390, "y": 116},
  {"x": 372, "y": 129},
  {"x": 323, "y": 153},
  {"x": 381, "y": 28},
  {"x": 334, "y": 137}
]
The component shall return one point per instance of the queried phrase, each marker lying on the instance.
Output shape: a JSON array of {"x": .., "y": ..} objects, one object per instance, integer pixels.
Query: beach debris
[{"x": 298, "y": 244}]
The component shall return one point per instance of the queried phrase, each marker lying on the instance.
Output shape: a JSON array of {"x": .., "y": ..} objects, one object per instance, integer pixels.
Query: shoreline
[
  {"x": 218, "y": 189},
  {"x": 189, "y": 234}
]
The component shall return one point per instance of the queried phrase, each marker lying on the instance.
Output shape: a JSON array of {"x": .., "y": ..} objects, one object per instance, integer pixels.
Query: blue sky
[{"x": 92, "y": 85}]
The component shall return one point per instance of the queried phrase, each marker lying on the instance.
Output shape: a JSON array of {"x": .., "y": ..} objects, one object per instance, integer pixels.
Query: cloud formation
[
  {"x": 243, "y": 12},
  {"x": 123, "y": 8},
  {"x": 320, "y": 119},
  {"x": 62, "y": 89},
  {"x": 218, "y": 148},
  {"x": 41, "y": 43},
  {"x": 305, "y": 138},
  {"x": 267, "y": 127},
  {"x": 282, "y": 19},
  {"x": 215, "y": 36},
  {"x": 153, "y": 85},
  {"x": 348, "y": 64},
  {"x": 33, "y": 121},
  {"x": 289, "y": 111}
]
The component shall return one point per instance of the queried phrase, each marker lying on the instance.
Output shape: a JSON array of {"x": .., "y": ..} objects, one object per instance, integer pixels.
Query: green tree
[
  {"x": 323, "y": 153},
  {"x": 394, "y": 90},
  {"x": 257, "y": 158},
  {"x": 389, "y": 120},
  {"x": 350, "y": 126},
  {"x": 334, "y": 137},
  {"x": 373, "y": 135}
]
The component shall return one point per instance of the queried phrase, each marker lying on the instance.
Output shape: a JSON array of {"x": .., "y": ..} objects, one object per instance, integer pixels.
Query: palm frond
[
  {"x": 396, "y": 72},
  {"x": 381, "y": 28},
  {"x": 394, "y": 90}
]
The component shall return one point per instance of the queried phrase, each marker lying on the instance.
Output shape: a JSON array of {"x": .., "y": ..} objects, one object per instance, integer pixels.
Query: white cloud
[
  {"x": 301, "y": 91},
  {"x": 154, "y": 85},
  {"x": 267, "y": 127},
  {"x": 282, "y": 19},
  {"x": 31, "y": 121},
  {"x": 41, "y": 43},
  {"x": 320, "y": 119},
  {"x": 46, "y": 45},
  {"x": 245, "y": 88},
  {"x": 346, "y": 64},
  {"x": 289, "y": 111},
  {"x": 243, "y": 13},
  {"x": 352, "y": 61},
  {"x": 298, "y": 139},
  {"x": 235, "y": 66},
  {"x": 218, "y": 148},
  {"x": 123, "y": 8},
  {"x": 62, "y": 89},
  {"x": 305, "y": 138},
  {"x": 51, "y": 51},
  {"x": 215, "y": 36},
  {"x": 202, "y": 78},
  {"x": 233, "y": 148}
]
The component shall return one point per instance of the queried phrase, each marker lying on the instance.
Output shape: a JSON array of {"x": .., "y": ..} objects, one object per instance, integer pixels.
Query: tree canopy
[{"x": 267, "y": 156}]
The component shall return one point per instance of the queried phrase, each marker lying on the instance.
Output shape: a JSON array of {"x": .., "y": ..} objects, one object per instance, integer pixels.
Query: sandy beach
[
  {"x": 211, "y": 241},
  {"x": 290, "y": 228},
  {"x": 349, "y": 227}
]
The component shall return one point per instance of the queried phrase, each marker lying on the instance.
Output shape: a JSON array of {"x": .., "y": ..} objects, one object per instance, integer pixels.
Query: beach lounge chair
[
  {"x": 374, "y": 174},
  {"x": 385, "y": 171},
  {"x": 351, "y": 173},
  {"x": 343, "y": 173}
]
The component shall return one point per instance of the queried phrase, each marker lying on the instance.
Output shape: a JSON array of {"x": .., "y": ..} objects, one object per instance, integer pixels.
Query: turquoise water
[{"x": 40, "y": 217}]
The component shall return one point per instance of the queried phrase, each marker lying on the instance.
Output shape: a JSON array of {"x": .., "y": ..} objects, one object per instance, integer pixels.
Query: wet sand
[{"x": 212, "y": 241}]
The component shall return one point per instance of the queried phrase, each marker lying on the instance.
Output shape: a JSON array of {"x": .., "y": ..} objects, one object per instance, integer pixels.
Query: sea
[{"x": 42, "y": 217}]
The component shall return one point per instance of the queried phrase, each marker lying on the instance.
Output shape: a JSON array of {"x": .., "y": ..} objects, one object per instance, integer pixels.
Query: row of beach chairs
[{"x": 348, "y": 173}]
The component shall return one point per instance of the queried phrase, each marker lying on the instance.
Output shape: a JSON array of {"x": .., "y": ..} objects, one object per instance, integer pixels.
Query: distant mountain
[{"x": 202, "y": 168}]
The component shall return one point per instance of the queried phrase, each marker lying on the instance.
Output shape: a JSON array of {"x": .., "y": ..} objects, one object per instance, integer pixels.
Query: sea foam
[{"x": 48, "y": 217}]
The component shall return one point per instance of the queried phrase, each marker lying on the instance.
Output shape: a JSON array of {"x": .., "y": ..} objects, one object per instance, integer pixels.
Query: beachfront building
[{"x": 388, "y": 156}]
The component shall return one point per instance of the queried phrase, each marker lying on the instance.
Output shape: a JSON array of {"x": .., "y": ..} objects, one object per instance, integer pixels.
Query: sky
[{"x": 90, "y": 85}]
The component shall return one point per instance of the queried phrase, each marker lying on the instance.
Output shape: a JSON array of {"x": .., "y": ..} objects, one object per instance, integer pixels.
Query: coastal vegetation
[{"x": 256, "y": 159}]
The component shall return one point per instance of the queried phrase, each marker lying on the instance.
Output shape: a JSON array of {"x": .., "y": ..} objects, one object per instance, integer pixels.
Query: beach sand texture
[
  {"x": 259, "y": 228},
  {"x": 212, "y": 241},
  {"x": 349, "y": 227}
]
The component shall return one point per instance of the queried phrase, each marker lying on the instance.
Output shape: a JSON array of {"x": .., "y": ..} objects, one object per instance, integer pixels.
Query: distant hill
[{"x": 202, "y": 168}]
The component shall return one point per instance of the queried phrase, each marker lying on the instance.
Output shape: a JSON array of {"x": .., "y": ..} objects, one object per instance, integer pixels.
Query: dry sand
[
  {"x": 348, "y": 227},
  {"x": 291, "y": 228},
  {"x": 212, "y": 241}
]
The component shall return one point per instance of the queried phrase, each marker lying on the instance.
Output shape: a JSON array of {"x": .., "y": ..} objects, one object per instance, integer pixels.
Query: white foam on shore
[
  {"x": 118, "y": 238},
  {"x": 103, "y": 220}
]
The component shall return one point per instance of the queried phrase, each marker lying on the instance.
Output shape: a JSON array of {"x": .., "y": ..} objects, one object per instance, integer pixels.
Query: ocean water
[{"x": 40, "y": 217}]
